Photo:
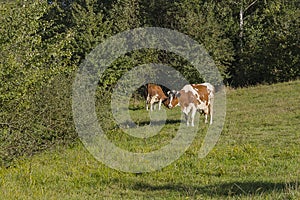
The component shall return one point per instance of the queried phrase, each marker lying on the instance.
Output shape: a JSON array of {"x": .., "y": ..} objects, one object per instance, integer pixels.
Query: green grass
[{"x": 256, "y": 157}]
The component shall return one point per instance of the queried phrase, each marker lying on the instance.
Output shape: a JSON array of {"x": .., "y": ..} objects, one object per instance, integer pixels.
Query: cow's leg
[
  {"x": 186, "y": 118},
  {"x": 205, "y": 118},
  {"x": 206, "y": 112},
  {"x": 193, "y": 112},
  {"x": 211, "y": 110},
  {"x": 186, "y": 111},
  {"x": 159, "y": 104},
  {"x": 152, "y": 101},
  {"x": 210, "y": 116},
  {"x": 147, "y": 102}
]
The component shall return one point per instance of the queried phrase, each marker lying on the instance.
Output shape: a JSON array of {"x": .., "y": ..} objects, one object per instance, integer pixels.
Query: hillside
[{"x": 256, "y": 157}]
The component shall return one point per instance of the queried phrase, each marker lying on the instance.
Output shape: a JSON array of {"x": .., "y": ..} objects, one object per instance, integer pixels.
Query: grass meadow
[{"x": 257, "y": 157}]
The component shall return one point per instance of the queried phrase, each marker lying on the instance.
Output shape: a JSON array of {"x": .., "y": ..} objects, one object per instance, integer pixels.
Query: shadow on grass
[
  {"x": 224, "y": 189},
  {"x": 136, "y": 108},
  {"x": 153, "y": 123}
]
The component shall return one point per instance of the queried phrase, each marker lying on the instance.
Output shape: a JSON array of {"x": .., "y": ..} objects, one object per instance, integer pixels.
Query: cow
[
  {"x": 154, "y": 94},
  {"x": 192, "y": 98}
]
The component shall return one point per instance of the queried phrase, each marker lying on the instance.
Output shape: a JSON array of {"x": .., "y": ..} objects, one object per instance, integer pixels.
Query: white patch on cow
[
  {"x": 202, "y": 105},
  {"x": 174, "y": 94},
  {"x": 170, "y": 103},
  {"x": 153, "y": 100},
  {"x": 189, "y": 88}
]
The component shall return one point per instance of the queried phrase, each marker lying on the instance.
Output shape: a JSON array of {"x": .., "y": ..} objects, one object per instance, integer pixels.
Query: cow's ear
[{"x": 177, "y": 94}]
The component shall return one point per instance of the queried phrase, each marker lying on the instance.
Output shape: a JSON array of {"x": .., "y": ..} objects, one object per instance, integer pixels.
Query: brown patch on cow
[
  {"x": 153, "y": 90},
  {"x": 166, "y": 102},
  {"x": 201, "y": 89}
]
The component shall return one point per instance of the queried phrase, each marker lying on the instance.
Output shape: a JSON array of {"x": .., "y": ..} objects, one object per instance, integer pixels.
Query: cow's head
[{"x": 173, "y": 98}]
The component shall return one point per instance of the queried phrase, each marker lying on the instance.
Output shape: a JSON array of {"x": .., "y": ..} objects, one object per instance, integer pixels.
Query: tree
[
  {"x": 265, "y": 38},
  {"x": 198, "y": 19}
]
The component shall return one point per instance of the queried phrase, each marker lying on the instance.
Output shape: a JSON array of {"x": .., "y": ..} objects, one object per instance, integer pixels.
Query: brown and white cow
[
  {"x": 192, "y": 98},
  {"x": 154, "y": 94}
]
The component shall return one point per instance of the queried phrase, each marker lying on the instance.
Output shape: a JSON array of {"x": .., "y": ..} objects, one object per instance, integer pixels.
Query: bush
[{"x": 46, "y": 122}]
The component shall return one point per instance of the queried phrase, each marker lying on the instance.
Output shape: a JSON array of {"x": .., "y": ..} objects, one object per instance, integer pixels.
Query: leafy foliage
[{"x": 31, "y": 65}]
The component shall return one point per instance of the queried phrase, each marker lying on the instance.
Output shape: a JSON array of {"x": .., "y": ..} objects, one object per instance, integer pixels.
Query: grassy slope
[{"x": 257, "y": 156}]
